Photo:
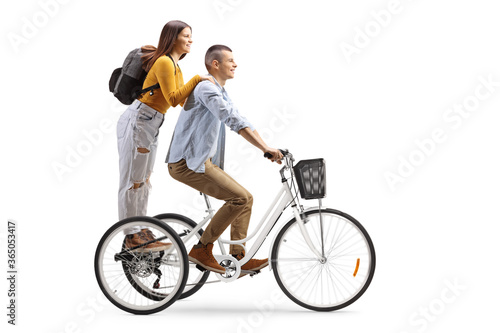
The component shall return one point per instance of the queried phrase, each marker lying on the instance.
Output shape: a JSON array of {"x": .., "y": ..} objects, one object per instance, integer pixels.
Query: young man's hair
[{"x": 215, "y": 53}]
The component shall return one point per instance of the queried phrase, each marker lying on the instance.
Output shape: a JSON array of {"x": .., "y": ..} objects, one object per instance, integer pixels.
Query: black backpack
[{"x": 126, "y": 82}]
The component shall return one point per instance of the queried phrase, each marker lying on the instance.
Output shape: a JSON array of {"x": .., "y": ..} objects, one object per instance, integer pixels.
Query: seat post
[{"x": 207, "y": 201}]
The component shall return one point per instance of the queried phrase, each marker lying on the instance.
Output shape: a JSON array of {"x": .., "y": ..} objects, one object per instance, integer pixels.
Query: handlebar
[{"x": 268, "y": 155}]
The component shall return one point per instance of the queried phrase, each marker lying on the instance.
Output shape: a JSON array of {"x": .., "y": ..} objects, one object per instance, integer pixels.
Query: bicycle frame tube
[{"x": 272, "y": 215}]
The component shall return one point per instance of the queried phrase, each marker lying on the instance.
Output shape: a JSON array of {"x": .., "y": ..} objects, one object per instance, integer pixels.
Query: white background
[{"x": 436, "y": 227}]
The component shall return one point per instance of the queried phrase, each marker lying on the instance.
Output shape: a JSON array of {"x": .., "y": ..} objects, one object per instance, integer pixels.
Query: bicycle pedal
[
  {"x": 200, "y": 268},
  {"x": 251, "y": 273},
  {"x": 254, "y": 273}
]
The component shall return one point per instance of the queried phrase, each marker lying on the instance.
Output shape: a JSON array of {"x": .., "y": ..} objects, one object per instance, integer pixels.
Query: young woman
[{"x": 139, "y": 125}]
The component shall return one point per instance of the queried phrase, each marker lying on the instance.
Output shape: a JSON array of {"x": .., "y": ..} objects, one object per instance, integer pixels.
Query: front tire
[{"x": 332, "y": 282}]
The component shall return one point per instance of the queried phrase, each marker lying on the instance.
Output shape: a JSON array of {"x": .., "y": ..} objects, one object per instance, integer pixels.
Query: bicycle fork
[
  {"x": 307, "y": 238},
  {"x": 298, "y": 217}
]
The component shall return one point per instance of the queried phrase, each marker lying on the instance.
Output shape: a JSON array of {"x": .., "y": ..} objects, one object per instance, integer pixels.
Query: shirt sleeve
[
  {"x": 211, "y": 97},
  {"x": 165, "y": 73}
]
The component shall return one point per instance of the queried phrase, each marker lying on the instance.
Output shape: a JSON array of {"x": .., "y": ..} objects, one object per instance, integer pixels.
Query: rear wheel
[
  {"x": 334, "y": 281},
  {"x": 183, "y": 226},
  {"x": 140, "y": 281}
]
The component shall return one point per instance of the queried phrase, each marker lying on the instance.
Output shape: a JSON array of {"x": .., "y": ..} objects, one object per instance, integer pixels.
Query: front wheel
[{"x": 337, "y": 279}]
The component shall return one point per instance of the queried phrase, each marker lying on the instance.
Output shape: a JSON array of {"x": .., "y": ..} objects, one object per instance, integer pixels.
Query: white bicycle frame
[{"x": 272, "y": 215}]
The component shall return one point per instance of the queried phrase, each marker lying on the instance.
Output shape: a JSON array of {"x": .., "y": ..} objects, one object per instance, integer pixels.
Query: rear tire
[
  {"x": 128, "y": 279},
  {"x": 183, "y": 226}
]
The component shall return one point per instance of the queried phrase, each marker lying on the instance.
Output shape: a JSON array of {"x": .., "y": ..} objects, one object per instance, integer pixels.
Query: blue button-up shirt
[{"x": 197, "y": 136}]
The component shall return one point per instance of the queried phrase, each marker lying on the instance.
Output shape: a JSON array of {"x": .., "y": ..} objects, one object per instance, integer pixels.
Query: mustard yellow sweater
[{"x": 172, "y": 89}]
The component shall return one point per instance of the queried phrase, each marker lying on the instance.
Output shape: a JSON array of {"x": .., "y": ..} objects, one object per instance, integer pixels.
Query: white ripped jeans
[{"x": 138, "y": 127}]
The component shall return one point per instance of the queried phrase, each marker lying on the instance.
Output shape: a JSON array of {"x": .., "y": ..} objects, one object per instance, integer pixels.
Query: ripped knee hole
[
  {"x": 143, "y": 150},
  {"x": 136, "y": 186}
]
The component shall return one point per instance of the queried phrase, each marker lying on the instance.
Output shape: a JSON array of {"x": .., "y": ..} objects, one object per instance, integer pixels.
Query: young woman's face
[{"x": 184, "y": 41}]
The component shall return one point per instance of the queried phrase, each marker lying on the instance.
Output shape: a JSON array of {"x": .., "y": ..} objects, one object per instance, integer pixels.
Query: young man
[{"x": 198, "y": 141}]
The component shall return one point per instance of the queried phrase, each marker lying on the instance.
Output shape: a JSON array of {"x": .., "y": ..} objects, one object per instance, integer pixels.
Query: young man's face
[{"x": 227, "y": 65}]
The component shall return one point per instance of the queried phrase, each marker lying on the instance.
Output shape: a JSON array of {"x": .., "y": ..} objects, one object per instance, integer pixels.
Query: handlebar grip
[{"x": 284, "y": 152}]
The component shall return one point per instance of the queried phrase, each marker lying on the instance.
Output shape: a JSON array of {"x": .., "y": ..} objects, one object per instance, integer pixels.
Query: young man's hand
[{"x": 277, "y": 156}]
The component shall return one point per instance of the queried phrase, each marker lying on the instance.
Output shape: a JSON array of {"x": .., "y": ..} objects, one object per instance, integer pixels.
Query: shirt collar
[{"x": 217, "y": 83}]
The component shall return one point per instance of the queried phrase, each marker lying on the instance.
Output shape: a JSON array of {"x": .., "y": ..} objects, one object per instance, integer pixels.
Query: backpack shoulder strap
[{"x": 175, "y": 67}]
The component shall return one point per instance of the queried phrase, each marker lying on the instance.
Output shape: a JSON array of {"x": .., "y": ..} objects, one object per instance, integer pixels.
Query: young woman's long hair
[{"x": 167, "y": 38}]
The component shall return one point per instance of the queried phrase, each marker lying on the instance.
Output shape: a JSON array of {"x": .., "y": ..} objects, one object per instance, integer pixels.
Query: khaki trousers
[{"x": 218, "y": 184}]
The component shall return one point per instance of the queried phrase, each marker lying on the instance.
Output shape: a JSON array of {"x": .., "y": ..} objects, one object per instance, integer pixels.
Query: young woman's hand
[{"x": 207, "y": 77}]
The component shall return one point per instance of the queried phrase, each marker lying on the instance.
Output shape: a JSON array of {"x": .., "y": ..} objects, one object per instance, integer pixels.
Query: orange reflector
[{"x": 356, "y": 270}]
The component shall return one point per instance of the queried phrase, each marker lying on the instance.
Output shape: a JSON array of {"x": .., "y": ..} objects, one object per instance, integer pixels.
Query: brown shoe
[
  {"x": 134, "y": 240},
  {"x": 252, "y": 264},
  {"x": 202, "y": 255},
  {"x": 150, "y": 237}
]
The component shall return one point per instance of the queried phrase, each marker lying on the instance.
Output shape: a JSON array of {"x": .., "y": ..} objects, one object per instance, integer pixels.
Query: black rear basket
[{"x": 311, "y": 178}]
